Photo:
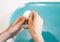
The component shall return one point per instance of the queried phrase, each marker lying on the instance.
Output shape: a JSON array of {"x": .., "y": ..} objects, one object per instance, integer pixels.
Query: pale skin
[{"x": 35, "y": 24}]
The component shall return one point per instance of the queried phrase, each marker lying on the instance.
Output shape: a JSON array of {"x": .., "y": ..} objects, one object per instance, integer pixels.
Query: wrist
[
  {"x": 37, "y": 37},
  {"x": 4, "y": 36},
  {"x": 8, "y": 34}
]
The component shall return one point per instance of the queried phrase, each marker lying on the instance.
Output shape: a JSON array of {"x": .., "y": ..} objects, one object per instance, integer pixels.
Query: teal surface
[{"x": 50, "y": 12}]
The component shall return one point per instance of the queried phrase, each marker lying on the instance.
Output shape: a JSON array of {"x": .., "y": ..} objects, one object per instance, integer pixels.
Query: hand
[
  {"x": 15, "y": 26},
  {"x": 35, "y": 24}
]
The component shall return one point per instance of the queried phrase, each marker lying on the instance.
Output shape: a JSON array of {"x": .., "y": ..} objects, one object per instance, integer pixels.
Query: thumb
[{"x": 21, "y": 21}]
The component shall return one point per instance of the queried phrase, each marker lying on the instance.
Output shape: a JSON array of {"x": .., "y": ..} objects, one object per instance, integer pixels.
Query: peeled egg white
[{"x": 26, "y": 13}]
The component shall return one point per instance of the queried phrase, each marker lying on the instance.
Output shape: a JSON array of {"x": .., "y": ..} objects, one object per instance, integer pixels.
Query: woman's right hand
[{"x": 35, "y": 25}]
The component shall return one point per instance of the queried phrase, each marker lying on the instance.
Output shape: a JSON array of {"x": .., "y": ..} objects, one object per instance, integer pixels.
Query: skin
[
  {"x": 16, "y": 26},
  {"x": 13, "y": 29},
  {"x": 35, "y": 24}
]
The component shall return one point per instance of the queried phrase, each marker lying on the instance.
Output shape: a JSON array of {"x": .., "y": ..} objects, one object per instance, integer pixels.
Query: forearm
[
  {"x": 37, "y": 36},
  {"x": 4, "y": 36}
]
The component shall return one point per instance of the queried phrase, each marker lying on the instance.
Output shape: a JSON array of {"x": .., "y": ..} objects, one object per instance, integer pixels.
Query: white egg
[{"x": 26, "y": 13}]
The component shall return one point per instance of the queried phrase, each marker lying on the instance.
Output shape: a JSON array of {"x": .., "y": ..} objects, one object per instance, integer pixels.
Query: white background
[{"x": 7, "y": 7}]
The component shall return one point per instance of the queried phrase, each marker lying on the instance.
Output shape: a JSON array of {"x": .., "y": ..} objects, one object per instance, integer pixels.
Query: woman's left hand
[{"x": 15, "y": 26}]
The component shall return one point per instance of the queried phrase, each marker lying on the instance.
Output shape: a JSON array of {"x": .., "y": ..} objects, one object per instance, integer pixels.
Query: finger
[
  {"x": 24, "y": 26},
  {"x": 30, "y": 19},
  {"x": 16, "y": 21},
  {"x": 35, "y": 15},
  {"x": 26, "y": 21},
  {"x": 21, "y": 21}
]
